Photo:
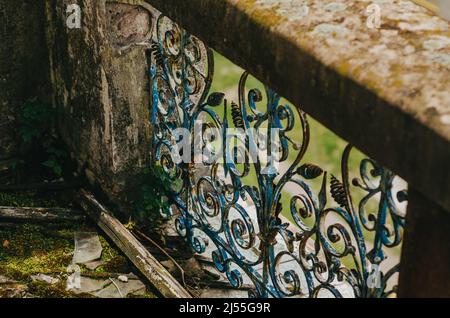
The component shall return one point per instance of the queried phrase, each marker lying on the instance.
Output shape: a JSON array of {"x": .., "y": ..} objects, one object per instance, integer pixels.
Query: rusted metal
[{"x": 236, "y": 219}]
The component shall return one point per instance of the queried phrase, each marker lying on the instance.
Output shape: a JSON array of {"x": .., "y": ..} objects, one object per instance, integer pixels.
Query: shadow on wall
[{"x": 23, "y": 65}]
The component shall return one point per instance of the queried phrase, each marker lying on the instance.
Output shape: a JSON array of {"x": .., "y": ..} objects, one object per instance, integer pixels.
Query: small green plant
[
  {"x": 56, "y": 159},
  {"x": 36, "y": 123},
  {"x": 152, "y": 203}
]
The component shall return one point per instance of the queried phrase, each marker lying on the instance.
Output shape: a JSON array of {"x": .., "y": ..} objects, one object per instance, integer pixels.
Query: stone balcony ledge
[{"x": 386, "y": 89}]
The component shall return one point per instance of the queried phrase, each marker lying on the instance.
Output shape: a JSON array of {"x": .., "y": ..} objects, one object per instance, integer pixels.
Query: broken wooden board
[
  {"x": 40, "y": 214},
  {"x": 156, "y": 273}
]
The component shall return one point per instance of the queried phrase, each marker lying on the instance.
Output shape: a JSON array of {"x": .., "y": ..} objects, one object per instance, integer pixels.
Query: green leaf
[
  {"x": 57, "y": 170},
  {"x": 215, "y": 99}
]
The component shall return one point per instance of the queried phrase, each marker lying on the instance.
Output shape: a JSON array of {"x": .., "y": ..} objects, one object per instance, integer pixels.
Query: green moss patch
[
  {"x": 32, "y": 249},
  {"x": 27, "y": 250},
  {"x": 26, "y": 199}
]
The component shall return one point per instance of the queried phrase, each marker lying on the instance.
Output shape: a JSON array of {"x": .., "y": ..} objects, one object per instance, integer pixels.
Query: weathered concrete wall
[
  {"x": 23, "y": 64},
  {"x": 99, "y": 76}
]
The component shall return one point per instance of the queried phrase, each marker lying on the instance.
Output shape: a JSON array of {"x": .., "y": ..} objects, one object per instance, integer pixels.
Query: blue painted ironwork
[{"x": 332, "y": 247}]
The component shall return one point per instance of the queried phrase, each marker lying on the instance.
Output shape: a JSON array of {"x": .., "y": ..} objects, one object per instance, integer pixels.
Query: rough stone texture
[
  {"x": 23, "y": 64},
  {"x": 385, "y": 90},
  {"x": 440, "y": 6},
  {"x": 99, "y": 76}
]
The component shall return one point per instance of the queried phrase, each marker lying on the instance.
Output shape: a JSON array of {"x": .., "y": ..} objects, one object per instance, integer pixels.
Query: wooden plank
[
  {"x": 425, "y": 262},
  {"x": 149, "y": 266},
  {"x": 39, "y": 214}
]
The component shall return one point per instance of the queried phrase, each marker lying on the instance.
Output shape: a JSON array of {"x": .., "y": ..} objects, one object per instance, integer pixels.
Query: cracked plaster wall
[{"x": 99, "y": 77}]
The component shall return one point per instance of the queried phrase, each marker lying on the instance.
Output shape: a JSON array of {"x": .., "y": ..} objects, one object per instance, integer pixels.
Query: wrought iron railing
[{"x": 234, "y": 164}]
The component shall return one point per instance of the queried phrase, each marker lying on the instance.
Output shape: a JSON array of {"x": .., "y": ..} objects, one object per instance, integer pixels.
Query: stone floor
[{"x": 64, "y": 261}]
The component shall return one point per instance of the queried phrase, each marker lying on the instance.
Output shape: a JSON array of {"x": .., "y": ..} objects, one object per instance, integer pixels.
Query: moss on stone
[
  {"x": 28, "y": 199},
  {"x": 31, "y": 249},
  {"x": 261, "y": 16},
  {"x": 44, "y": 290}
]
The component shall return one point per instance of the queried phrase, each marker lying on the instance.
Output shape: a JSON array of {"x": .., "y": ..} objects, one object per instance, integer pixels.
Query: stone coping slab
[{"x": 385, "y": 88}]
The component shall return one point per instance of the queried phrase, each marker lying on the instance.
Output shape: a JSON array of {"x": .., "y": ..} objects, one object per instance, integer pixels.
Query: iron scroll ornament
[{"x": 240, "y": 225}]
